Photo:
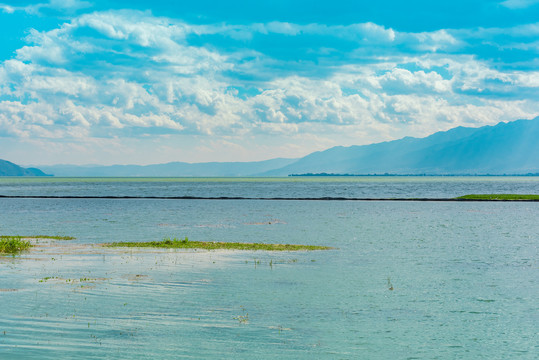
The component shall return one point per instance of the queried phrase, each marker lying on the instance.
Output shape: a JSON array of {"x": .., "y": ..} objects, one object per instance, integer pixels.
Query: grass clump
[
  {"x": 175, "y": 243},
  {"x": 499, "y": 197},
  {"x": 13, "y": 244},
  {"x": 51, "y": 237}
]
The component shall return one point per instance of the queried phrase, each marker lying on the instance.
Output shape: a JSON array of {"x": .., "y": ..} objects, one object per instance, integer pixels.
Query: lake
[{"x": 405, "y": 280}]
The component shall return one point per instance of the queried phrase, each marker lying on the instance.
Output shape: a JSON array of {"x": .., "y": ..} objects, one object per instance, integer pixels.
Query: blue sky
[{"x": 145, "y": 82}]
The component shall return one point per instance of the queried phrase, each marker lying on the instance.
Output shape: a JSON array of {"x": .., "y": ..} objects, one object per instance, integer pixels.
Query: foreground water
[{"x": 463, "y": 275}]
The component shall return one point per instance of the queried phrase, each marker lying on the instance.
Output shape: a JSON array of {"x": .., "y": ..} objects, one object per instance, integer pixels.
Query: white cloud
[
  {"x": 136, "y": 27},
  {"x": 418, "y": 81},
  {"x": 127, "y": 75},
  {"x": 360, "y": 32},
  {"x": 429, "y": 41}
]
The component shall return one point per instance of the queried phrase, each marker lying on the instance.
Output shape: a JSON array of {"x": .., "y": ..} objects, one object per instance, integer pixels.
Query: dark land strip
[{"x": 259, "y": 198}]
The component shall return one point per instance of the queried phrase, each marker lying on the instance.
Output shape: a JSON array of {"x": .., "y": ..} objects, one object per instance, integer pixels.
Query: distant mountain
[
  {"x": 506, "y": 148},
  {"x": 172, "y": 169},
  {"x": 10, "y": 169}
]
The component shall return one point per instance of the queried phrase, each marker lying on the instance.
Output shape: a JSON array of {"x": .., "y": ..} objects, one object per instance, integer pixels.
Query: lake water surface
[{"x": 432, "y": 280}]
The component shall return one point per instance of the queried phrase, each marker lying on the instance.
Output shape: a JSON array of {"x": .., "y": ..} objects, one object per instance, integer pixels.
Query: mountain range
[
  {"x": 172, "y": 169},
  {"x": 10, "y": 169},
  {"x": 506, "y": 148}
]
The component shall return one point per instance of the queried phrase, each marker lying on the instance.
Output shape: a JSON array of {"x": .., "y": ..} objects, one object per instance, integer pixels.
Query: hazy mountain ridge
[
  {"x": 8, "y": 168},
  {"x": 505, "y": 148},
  {"x": 172, "y": 169}
]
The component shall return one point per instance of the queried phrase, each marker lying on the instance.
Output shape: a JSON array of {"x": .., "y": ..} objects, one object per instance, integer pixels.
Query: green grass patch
[
  {"x": 13, "y": 244},
  {"x": 52, "y": 237},
  {"x": 499, "y": 197},
  {"x": 210, "y": 245}
]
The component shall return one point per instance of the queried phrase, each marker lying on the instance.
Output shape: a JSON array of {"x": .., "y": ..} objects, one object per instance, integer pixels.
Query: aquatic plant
[
  {"x": 242, "y": 319},
  {"x": 174, "y": 243},
  {"x": 51, "y": 237},
  {"x": 499, "y": 197},
  {"x": 13, "y": 244},
  {"x": 71, "y": 281}
]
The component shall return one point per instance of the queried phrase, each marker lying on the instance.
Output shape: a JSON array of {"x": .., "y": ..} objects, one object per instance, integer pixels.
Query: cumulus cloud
[
  {"x": 431, "y": 41},
  {"x": 127, "y": 74},
  {"x": 361, "y": 32}
]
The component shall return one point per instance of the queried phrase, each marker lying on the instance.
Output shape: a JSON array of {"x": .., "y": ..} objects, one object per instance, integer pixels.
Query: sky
[{"x": 144, "y": 82}]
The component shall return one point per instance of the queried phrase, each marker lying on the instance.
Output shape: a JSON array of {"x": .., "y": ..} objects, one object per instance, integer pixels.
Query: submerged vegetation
[
  {"x": 71, "y": 281},
  {"x": 13, "y": 244},
  {"x": 51, "y": 237},
  {"x": 175, "y": 243},
  {"x": 504, "y": 197}
]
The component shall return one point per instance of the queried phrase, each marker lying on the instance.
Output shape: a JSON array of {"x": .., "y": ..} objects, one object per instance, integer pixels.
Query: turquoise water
[
  {"x": 463, "y": 278},
  {"x": 289, "y": 187}
]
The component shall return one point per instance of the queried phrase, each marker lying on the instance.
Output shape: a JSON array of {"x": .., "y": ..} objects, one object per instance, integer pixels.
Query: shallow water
[{"x": 464, "y": 279}]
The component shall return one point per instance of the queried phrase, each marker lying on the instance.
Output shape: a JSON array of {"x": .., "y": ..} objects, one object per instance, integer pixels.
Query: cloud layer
[{"x": 110, "y": 75}]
